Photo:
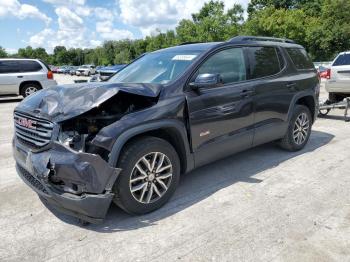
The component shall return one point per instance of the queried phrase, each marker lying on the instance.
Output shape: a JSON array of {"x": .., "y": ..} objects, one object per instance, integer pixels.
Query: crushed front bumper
[{"x": 90, "y": 175}]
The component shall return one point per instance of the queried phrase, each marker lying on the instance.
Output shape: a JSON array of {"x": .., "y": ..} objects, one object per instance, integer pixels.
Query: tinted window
[
  {"x": 46, "y": 65},
  {"x": 263, "y": 61},
  {"x": 8, "y": 67},
  {"x": 300, "y": 58},
  {"x": 228, "y": 63},
  {"x": 29, "y": 66},
  {"x": 343, "y": 59}
]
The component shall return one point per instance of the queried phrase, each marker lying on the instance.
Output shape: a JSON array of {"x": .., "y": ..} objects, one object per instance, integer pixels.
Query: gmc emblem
[{"x": 28, "y": 123}]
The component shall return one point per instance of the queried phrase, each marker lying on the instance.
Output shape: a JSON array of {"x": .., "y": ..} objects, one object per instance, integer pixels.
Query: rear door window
[
  {"x": 341, "y": 60},
  {"x": 7, "y": 67},
  {"x": 300, "y": 58},
  {"x": 264, "y": 61},
  {"x": 29, "y": 66}
]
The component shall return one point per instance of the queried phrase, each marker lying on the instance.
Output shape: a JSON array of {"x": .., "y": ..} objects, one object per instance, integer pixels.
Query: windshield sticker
[{"x": 184, "y": 57}]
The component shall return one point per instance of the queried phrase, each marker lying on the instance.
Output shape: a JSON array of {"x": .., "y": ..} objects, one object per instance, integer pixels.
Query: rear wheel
[
  {"x": 299, "y": 129},
  {"x": 150, "y": 174},
  {"x": 29, "y": 89}
]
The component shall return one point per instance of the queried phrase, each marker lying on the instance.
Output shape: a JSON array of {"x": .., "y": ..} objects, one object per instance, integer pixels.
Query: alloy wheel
[
  {"x": 151, "y": 177},
  {"x": 301, "y": 129},
  {"x": 30, "y": 90}
]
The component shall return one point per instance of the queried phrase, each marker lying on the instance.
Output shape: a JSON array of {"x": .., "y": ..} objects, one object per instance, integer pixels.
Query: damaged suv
[{"x": 82, "y": 147}]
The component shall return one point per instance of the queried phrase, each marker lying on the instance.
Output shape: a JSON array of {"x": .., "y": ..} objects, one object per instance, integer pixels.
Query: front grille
[
  {"x": 32, "y": 180},
  {"x": 32, "y": 131}
]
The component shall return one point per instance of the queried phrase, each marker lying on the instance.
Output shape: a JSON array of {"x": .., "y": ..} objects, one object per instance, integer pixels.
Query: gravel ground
[{"x": 264, "y": 204}]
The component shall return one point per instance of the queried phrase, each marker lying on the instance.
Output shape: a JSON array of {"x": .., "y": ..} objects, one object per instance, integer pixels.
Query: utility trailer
[{"x": 326, "y": 107}]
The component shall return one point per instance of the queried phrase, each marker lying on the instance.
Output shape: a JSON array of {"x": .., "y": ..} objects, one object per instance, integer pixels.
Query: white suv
[
  {"x": 24, "y": 76},
  {"x": 338, "y": 78},
  {"x": 86, "y": 70}
]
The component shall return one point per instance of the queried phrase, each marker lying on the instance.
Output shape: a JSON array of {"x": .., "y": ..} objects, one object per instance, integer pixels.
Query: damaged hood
[{"x": 63, "y": 102}]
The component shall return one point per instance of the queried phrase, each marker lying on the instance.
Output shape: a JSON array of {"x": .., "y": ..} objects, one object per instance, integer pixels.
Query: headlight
[
  {"x": 66, "y": 138},
  {"x": 73, "y": 140}
]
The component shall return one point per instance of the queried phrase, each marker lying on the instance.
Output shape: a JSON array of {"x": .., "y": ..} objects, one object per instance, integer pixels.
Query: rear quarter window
[
  {"x": 264, "y": 61},
  {"x": 29, "y": 66},
  {"x": 300, "y": 58},
  {"x": 7, "y": 67},
  {"x": 343, "y": 59}
]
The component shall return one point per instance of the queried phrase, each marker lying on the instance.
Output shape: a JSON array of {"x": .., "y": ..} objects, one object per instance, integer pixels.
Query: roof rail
[
  {"x": 189, "y": 43},
  {"x": 260, "y": 38}
]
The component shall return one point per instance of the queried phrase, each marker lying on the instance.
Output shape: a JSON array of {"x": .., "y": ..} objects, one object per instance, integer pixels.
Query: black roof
[
  {"x": 238, "y": 40},
  {"x": 191, "y": 47}
]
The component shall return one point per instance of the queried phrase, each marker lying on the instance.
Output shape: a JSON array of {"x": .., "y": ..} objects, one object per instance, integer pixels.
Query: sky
[{"x": 87, "y": 23}]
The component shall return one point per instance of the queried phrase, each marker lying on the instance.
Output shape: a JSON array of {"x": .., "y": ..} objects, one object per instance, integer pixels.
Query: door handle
[
  {"x": 291, "y": 85},
  {"x": 19, "y": 76},
  {"x": 247, "y": 93}
]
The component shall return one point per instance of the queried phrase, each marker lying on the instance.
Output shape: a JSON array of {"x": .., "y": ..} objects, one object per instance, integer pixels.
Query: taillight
[
  {"x": 328, "y": 74},
  {"x": 49, "y": 75}
]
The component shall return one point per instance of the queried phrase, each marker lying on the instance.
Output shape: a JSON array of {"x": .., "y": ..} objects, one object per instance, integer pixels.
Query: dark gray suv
[{"x": 127, "y": 140}]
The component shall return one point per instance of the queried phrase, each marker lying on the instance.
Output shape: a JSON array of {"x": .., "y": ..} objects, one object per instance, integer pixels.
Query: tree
[
  {"x": 322, "y": 26},
  {"x": 284, "y": 23},
  {"x": 3, "y": 52},
  {"x": 330, "y": 32},
  {"x": 211, "y": 23}
]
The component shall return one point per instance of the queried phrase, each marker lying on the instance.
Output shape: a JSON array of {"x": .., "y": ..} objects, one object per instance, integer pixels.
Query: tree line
[{"x": 322, "y": 26}]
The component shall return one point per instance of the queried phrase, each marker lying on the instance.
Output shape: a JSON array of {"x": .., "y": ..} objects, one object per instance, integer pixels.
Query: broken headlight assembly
[{"x": 73, "y": 140}]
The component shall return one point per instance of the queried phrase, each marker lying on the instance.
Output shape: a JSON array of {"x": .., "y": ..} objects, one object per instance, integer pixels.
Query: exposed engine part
[{"x": 78, "y": 132}]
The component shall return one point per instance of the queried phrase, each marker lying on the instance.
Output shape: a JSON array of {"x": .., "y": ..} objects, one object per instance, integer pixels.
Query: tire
[
  {"x": 291, "y": 140},
  {"x": 323, "y": 112},
  {"x": 138, "y": 202},
  {"x": 29, "y": 89}
]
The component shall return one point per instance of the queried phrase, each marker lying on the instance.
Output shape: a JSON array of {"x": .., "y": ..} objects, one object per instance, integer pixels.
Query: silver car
[
  {"x": 24, "y": 76},
  {"x": 338, "y": 78}
]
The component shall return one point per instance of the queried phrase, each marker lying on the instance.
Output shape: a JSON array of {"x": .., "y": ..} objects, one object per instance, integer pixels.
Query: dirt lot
[{"x": 261, "y": 205}]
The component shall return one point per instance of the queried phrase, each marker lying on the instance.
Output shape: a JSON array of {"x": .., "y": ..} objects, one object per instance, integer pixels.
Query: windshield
[{"x": 157, "y": 68}]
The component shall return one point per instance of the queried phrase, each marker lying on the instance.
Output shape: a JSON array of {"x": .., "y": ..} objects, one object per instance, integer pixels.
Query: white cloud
[
  {"x": 21, "y": 11},
  {"x": 103, "y": 13},
  {"x": 11, "y": 51},
  {"x": 65, "y": 2},
  {"x": 154, "y": 14},
  {"x": 40, "y": 38},
  {"x": 83, "y": 10},
  {"x": 107, "y": 32},
  {"x": 71, "y": 33},
  {"x": 68, "y": 20}
]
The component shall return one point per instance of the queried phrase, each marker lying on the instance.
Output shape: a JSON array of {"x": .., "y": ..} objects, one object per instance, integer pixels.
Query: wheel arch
[
  {"x": 170, "y": 130},
  {"x": 309, "y": 102},
  {"x": 21, "y": 86},
  {"x": 307, "y": 99}
]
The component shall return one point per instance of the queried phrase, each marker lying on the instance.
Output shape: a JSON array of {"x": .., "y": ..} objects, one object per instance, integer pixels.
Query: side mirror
[{"x": 206, "y": 80}]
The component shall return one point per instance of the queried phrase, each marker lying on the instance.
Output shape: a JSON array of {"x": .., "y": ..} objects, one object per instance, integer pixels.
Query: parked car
[
  {"x": 64, "y": 69},
  {"x": 85, "y": 70},
  {"x": 338, "y": 78},
  {"x": 128, "y": 140},
  {"x": 73, "y": 70},
  {"x": 322, "y": 71},
  {"x": 107, "y": 71},
  {"x": 24, "y": 76},
  {"x": 53, "y": 68}
]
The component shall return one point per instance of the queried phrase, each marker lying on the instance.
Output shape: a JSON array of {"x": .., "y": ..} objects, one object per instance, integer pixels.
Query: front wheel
[
  {"x": 150, "y": 174},
  {"x": 299, "y": 129}
]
